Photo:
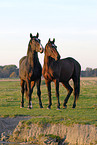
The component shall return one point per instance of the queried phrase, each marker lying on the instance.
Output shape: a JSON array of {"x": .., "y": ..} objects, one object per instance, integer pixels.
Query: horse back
[{"x": 69, "y": 68}]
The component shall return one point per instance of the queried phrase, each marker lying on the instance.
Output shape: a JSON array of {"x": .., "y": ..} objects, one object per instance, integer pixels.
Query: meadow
[{"x": 84, "y": 113}]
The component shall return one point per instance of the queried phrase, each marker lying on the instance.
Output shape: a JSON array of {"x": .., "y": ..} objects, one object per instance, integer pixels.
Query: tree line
[
  {"x": 89, "y": 72},
  {"x": 11, "y": 71}
]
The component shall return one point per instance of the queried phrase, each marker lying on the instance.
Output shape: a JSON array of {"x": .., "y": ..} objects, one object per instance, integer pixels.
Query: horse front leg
[
  {"x": 29, "y": 93},
  {"x": 49, "y": 93},
  {"x": 39, "y": 92},
  {"x": 57, "y": 92}
]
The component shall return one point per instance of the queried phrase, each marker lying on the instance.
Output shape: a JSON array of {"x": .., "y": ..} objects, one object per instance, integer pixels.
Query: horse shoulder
[
  {"x": 47, "y": 73},
  {"x": 55, "y": 69}
]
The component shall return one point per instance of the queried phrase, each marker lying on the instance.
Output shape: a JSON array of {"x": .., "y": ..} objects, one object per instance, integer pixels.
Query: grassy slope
[{"x": 85, "y": 112}]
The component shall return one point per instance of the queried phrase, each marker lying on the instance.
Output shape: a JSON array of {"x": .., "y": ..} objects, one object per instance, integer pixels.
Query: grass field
[{"x": 85, "y": 112}]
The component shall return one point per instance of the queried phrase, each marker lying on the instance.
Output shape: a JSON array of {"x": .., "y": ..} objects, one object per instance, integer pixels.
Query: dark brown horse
[
  {"x": 30, "y": 70},
  {"x": 60, "y": 70}
]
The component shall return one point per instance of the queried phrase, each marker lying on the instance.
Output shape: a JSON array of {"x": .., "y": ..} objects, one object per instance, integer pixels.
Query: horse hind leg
[
  {"x": 69, "y": 89},
  {"x": 76, "y": 90},
  {"x": 22, "y": 91}
]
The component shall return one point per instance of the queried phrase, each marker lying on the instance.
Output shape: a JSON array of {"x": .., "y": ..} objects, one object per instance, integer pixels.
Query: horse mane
[
  {"x": 29, "y": 48},
  {"x": 29, "y": 52}
]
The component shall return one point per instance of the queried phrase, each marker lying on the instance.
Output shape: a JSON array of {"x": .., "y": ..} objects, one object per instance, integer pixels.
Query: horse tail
[
  {"x": 76, "y": 79},
  {"x": 77, "y": 89}
]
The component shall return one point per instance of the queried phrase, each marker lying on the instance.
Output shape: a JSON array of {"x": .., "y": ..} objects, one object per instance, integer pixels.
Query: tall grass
[{"x": 84, "y": 113}]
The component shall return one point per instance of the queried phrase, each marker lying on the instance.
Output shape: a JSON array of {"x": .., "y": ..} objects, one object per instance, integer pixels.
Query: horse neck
[
  {"x": 48, "y": 61},
  {"x": 32, "y": 58}
]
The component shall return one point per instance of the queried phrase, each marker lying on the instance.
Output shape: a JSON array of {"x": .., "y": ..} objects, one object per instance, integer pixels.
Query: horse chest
[
  {"x": 48, "y": 74},
  {"x": 34, "y": 74}
]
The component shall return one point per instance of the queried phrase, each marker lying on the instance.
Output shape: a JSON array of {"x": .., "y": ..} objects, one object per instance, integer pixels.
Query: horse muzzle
[{"x": 41, "y": 49}]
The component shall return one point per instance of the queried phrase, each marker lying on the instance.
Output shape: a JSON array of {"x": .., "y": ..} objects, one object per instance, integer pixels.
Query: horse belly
[{"x": 66, "y": 71}]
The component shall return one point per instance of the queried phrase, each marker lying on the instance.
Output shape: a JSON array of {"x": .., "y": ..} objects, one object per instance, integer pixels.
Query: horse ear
[
  {"x": 49, "y": 40},
  {"x": 37, "y": 35},
  {"x": 31, "y": 35},
  {"x": 53, "y": 40}
]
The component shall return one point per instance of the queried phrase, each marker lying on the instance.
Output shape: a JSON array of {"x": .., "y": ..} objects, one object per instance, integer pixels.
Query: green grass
[{"x": 85, "y": 112}]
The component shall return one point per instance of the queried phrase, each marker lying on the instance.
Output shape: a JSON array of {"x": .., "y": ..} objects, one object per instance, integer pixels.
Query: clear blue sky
[{"x": 73, "y": 24}]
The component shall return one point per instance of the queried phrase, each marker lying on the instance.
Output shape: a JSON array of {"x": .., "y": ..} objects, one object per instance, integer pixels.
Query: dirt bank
[
  {"x": 7, "y": 126},
  {"x": 76, "y": 134}
]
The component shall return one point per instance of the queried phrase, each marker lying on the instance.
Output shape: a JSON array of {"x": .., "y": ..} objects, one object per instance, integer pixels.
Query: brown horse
[
  {"x": 60, "y": 70},
  {"x": 30, "y": 70}
]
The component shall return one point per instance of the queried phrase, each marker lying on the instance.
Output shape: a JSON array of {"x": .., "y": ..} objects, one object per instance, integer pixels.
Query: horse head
[
  {"x": 35, "y": 43},
  {"x": 51, "y": 50}
]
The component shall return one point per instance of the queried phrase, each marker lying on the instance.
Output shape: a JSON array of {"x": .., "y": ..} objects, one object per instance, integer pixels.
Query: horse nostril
[{"x": 41, "y": 50}]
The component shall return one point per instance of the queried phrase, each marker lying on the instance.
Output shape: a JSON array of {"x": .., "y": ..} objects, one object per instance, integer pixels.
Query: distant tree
[
  {"x": 13, "y": 75},
  {"x": 88, "y": 69},
  {"x": 95, "y": 72},
  {"x": 88, "y": 72}
]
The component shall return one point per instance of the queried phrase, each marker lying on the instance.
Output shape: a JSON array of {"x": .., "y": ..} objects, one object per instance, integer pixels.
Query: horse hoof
[
  {"x": 58, "y": 108},
  {"x": 73, "y": 107},
  {"x": 64, "y": 107},
  {"x": 30, "y": 107},
  {"x": 21, "y": 106},
  {"x": 41, "y": 106},
  {"x": 48, "y": 108}
]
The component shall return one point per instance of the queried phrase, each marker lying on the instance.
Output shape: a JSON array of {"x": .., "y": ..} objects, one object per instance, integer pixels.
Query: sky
[{"x": 73, "y": 24}]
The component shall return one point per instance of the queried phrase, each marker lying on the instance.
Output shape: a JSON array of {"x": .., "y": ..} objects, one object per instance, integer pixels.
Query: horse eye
[{"x": 53, "y": 45}]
